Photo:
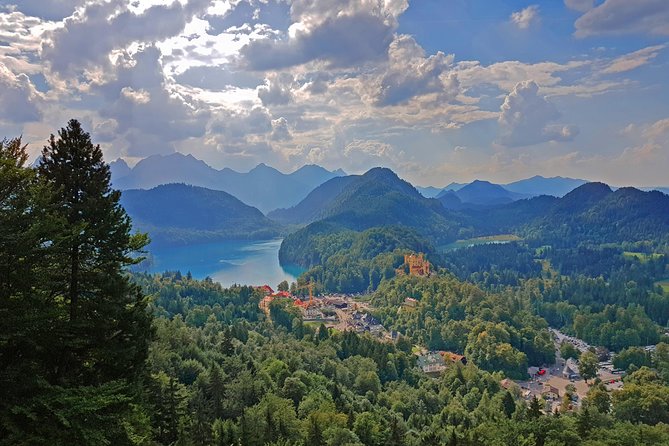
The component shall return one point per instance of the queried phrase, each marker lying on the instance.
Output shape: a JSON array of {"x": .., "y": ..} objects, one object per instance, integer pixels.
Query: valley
[
  {"x": 397, "y": 318},
  {"x": 334, "y": 223}
]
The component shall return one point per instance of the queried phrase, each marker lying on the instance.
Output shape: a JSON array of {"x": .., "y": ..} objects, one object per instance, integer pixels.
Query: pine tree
[
  {"x": 107, "y": 333},
  {"x": 26, "y": 309},
  {"x": 508, "y": 404},
  {"x": 535, "y": 408},
  {"x": 79, "y": 333}
]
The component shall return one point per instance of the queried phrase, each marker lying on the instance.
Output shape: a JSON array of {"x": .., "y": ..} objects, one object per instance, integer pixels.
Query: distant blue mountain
[
  {"x": 476, "y": 193},
  {"x": 538, "y": 185},
  {"x": 119, "y": 169},
  {"x": 428, "y": 192},
  {"x": 263, "y": 186}
]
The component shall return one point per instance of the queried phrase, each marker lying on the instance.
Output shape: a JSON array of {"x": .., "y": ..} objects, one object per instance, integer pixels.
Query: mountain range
[
  {"x": 593, "y": 213},
  {"x": 263, "y": 187},
  {"x": 377, "y": 198},
  {"x": 478, "y": 192},
  {"x": 268, "y": 189}
]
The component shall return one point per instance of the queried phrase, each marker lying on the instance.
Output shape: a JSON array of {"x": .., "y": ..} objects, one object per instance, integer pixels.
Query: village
[
  {"x": 548, "y": 383},
  {"x": 345, "y": 312},
  {"x": 342, "y": 312}
]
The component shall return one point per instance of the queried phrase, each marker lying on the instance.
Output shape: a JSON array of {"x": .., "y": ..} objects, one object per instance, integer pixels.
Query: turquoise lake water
[{"x": 239, "y": 261}]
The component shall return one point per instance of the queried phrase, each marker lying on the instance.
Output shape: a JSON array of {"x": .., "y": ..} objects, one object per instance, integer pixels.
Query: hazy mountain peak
[
  {"x": 592, "y": 188},
  {"x": 380, "y": 173},
  {"x": 263, "y": 186},
  {"x": 540, "y": 185},
  {"x": 119, "y": 168}
]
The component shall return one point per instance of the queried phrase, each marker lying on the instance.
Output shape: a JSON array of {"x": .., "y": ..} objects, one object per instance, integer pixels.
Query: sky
[{"x": 437, "y": 90}]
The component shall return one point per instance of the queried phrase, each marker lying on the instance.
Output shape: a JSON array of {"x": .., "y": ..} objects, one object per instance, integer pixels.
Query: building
[
  {"x": 417, "y": 265},
  {"x": 570, "y": 370},
  {"x": 507, "y": 384},
  {"x": 454, "y": 357},
  {"x": 550, "y": 393},
  {"x": 410, "y": 302},
  {"x": 431, "y": 363}
]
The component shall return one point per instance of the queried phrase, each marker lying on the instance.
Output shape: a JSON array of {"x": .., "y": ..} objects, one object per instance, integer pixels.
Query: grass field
[
  {"x": 499, "y": 238},
  {"x": 643, "y": 257},
  {"x": 664, "y": 284}
]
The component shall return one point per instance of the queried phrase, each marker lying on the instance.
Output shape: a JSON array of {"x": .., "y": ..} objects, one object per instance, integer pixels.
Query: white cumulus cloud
[
  {"x": 525, "y": 118},
  {"x": 524, "y": 18}
]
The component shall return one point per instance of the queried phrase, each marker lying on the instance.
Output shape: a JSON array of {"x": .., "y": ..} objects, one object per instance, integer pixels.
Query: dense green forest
[
  {"x": 92, "y": 355},
  {"x": 499, "y": 332},
  {"x": 346, "y": 261},
  {"x": 591, "y": 258}
]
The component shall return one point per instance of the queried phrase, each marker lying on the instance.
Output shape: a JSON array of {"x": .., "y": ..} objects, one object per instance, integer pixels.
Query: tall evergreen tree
[
  {"x": 78, "y": 335},
  {"x": 25, "y": 311},
  {"x": 106, "y": 336}
]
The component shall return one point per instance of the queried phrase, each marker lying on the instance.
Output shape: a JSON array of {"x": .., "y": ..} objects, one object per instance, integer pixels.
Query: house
[
  {"x": 570, "y": 370},
  {"x": 506, "y": 383},
  {"x": 454, "y": 357},
  {"x": 550, "y": 393},
  {"x": 410, "y": 302},
  {"x": 266, "y": 289},
  {"x": 312, "y": 313},
  {"x": 431, "y": 363}
]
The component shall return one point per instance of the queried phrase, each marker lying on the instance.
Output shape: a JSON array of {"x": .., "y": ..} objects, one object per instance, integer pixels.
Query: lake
[{"x": 228, "y": 262}]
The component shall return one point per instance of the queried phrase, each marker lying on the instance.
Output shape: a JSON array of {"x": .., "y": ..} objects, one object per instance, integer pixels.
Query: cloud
[
  {"x": 646, "y": 160},
  {"x": 625, "y": 17},
  {"x": 277, "y": 90},
  {"x": 365, "y": 152},
  {"x": 71, "y": 49},
  {"x": 19, "y": 101},
  {"x": 341, "y": 34},
  {"x": 48, "y": 10},
  {"x": 657, "y": 130},
  {"x": 273, "y": 13},
  {"x": 137, "y": 96},
  {"x": 525, "y": 117},
  {"x": 411, "y": 74},
  {"x": 217, "y": 78},
  {"x": 506, "y": 75},
  {"x": 524, "y": 18},
  {"x": 580, "y": 5},
  {"x": 280, "y": 131},
  {"x": 150, "y": 116},
  {"x": 633, "y": 60}
]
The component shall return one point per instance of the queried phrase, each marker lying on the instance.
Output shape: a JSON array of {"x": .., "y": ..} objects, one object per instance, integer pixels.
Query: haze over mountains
[
  {"x": 263, "y": 187},
  {"x": 313, "y": 193}
]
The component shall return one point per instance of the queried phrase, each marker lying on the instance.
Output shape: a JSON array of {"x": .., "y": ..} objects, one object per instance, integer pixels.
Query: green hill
[
  {"x": 178, "y": 213},
  {"x": 377, "y": 198}
]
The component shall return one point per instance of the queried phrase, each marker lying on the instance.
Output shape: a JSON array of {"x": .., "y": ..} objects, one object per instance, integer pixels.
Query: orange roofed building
[
  {"x": 454, "y": 357},
  {"x": 417, "y": 263}
]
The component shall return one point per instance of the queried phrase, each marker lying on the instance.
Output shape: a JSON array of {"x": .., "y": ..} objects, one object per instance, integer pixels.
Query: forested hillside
[
  {"x": 592, "y": 214},
  {"x": 378, "y": 198},
  {"x": 346, "y": 261},
  {"x": 92, "y": 355},
  {"x": 221, "y": 374},
  {"x": 182, "y": 214}
]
